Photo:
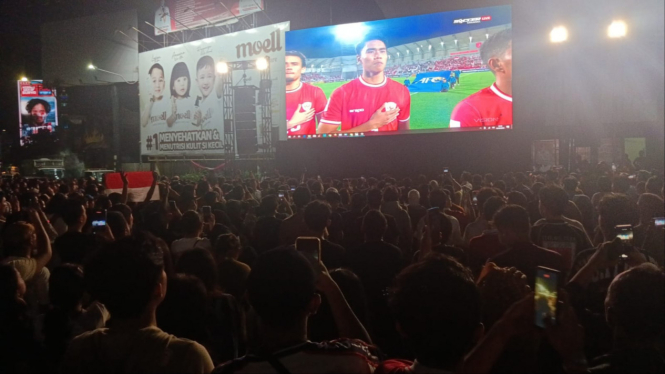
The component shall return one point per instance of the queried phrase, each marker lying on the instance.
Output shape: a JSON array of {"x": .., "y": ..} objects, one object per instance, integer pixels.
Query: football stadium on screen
[{"x": 455, "y": 67}]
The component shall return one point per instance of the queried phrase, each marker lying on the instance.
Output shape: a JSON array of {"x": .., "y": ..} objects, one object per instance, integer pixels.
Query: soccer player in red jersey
[
  {"x": 491, "y": 106},
  {"x": 303, "y": 101},
  {"x": 372, "y": 102}
]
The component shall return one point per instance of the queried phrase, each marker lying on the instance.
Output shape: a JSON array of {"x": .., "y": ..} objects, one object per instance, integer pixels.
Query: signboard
[
  {"x": 178, "y": 15},
  {"x": 188, "y": 103},
  {"x": 38, "y": 108}
]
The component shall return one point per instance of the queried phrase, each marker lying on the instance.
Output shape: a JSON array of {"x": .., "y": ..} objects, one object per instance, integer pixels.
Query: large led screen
[{"x": 449, "y": 71}]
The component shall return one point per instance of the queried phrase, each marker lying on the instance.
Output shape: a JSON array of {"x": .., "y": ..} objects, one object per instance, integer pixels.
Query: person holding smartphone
[{"x": 594, "y": 268}]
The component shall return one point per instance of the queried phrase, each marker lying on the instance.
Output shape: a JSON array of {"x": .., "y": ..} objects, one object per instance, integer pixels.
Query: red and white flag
[{"x": 139, "y": 183}]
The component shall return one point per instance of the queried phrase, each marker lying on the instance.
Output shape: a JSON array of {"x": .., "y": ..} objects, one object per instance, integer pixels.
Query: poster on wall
[
  {"x": 37, "y": 110},
  {"x": 194, "y": 95},
  {"x": 178, "y": 15}
]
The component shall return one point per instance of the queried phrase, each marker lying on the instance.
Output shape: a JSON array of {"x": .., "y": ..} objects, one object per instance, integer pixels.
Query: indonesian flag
[{"x": 138, "y": 186}]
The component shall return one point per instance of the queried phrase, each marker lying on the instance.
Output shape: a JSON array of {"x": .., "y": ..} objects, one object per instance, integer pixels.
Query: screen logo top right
[{"x": 451, "y": 73}]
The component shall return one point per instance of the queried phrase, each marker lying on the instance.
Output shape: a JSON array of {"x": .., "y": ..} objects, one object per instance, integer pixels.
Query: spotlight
[
  {"x": 558, "y": 34},
  {"x": 222, "y": 67},
  {"x": 350, "y": 33},
  {"x": 91, "y": 67},
  {"x": 24, "y": 79},
  {"x": 261, "y": 63},
  {"x": 617, "y": 29}
]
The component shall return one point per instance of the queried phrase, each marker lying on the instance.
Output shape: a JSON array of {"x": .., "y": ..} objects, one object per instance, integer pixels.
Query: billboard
[
  {"x": 216, "y": 95},
  {"x": 439, "y": 72},
  {"x": 38, "y": 110},
  {"x": 178, "y": 15}
]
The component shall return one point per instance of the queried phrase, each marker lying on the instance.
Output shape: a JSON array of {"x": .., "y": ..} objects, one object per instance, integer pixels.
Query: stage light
[
  {"x": 261, "y": 63},
  {"x": 24, "y": 79},
  {"x": 617, "y": 29},
  {"x": 470, "y": 39},
  {"x": 350, "y": 33},
  {"x": 222, "y": 67},
  {"x": 418, "y": 49},
  {"x": 430, "y": 47},
  {"x": 91, "y": 67},
  {"x": 442, "y": 44},
  {"x": 455, "y": 41},
  {"x": 487, "y": 36},
  {"x": 558, "y": 34}
]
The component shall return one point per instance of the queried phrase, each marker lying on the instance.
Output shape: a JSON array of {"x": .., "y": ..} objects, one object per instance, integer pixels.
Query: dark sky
[{"x": 20, "y": 46}]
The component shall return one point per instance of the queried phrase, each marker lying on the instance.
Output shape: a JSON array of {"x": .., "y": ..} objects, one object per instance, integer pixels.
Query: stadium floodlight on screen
[{"x": 440, "y": 72}]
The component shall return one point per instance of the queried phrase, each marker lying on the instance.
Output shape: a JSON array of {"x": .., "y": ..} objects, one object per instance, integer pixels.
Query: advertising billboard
[
  {"x": 178, "y": 15},
  {"x": 449, "y": 71},
  {"x": 217, "y": 95},
  {"x": 38, "y": 110}
]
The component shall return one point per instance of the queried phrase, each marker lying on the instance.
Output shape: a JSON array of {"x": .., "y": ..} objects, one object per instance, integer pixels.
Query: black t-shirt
[
  {"x": 266, "y": 233},
  {"x": 74, "y": 247},
  {"x": 332, "y": 255},
  {"x": 416, "y": 212},
  {"x": 560, "y": 237},
  {"x": 596, "y": 290},
  {"x": 376, "y": 263},
  {"x": 526, "y": 257}
]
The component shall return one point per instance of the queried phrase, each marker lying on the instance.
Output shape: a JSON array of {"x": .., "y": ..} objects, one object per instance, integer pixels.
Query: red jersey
[
  {"x": 487, "y": 107},
  {"x": 355, "y": 102},
  {"x": 307, "y": 96}
]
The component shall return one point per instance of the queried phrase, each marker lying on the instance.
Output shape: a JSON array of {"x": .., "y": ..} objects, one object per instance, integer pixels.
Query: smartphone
[
  {"x": 659, "y": 222},
  {"x": 293, "y": 188},
  {"x": 446, "y": 170},
  {"x": 546, "y": 295},
  {"x": 310, "y": 247},
  {"x": 173, "y": 205},
  {"x": 98, "y": 219},
  {"x": 625, "y": 233},
  {"x": 281, "y": 194}
]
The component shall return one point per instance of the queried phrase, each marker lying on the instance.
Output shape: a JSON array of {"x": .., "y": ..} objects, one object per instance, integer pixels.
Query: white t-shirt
[
  {"x": 184, "y": 114},
  {"x": 210, "y": 111},
  {"x": 182, "y": 245},
  {"x": 159, "y": 112}
]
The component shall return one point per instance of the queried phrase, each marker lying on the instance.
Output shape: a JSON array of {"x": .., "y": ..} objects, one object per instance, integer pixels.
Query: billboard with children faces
[{"x": 194, "y": 95}]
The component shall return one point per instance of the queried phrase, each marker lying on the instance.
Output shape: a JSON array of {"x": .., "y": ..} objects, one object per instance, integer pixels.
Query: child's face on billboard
[
  {"x": 205, "y": 78},
  {"x": 157, "y": 79},
  {"x": 180, "y": 86}
]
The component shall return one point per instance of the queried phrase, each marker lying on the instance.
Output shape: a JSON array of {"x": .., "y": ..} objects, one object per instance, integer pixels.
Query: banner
[
  {"x": 38, "y": 109},
  {"x": 138, "y": 185},
  {"x": 190, "y": 92},
  {"x": 434, "y": 81},
  {"x": 178, "y": 15}
]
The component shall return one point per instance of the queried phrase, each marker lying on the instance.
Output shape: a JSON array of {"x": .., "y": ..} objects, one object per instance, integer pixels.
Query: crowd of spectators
[
  {"x": 415, "y": 275},
  {"x": 465, "y": 62}
]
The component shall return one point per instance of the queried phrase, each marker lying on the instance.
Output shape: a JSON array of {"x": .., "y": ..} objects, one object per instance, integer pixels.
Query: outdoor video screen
[{"x": 449, "y": 71}]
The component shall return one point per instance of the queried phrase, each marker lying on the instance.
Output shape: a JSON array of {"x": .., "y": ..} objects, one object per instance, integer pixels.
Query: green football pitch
[{"x": 431, "y": 110}]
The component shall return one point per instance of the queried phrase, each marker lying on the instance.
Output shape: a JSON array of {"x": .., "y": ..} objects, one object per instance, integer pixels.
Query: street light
[{"x": 93, "y": 67}]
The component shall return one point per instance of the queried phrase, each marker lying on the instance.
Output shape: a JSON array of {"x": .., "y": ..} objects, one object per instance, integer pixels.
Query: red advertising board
[{"x": 37, "y": 108}]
